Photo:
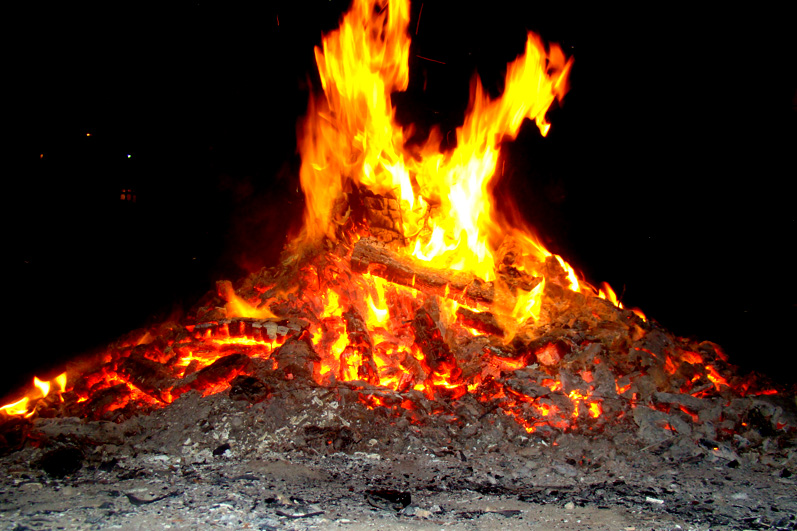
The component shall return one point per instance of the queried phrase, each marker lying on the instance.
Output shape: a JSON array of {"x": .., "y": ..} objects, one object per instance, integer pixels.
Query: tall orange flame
[{"x": 351, "y": 140}]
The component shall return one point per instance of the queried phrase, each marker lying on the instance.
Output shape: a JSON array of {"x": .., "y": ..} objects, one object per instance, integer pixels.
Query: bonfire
[{"x": 409, "y": 285}]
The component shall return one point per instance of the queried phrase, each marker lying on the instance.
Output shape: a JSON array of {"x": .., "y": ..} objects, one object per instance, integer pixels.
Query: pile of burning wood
[
  {"x": 409, "y": 288},
  {"x": 584, "y": 366}
]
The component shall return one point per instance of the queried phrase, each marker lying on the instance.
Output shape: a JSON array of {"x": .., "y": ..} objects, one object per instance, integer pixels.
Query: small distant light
[
  {"x": 129, "y": 156},
  {"x": 88, "y": 134},
  {"x": 41, "y": 155}
]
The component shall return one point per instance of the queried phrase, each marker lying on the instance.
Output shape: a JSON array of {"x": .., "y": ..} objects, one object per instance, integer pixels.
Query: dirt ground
[{"x": 304, "y": 462}]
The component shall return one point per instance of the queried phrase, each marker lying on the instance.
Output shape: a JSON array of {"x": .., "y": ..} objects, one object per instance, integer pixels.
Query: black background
[{"x": 668, "y": 172}]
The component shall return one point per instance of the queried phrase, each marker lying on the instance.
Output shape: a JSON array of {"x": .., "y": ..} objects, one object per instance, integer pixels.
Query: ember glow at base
[{"x": 408, "y": 282}]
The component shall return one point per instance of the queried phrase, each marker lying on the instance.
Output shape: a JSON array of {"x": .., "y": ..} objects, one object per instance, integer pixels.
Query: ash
[{"x": 318, "y": 458}]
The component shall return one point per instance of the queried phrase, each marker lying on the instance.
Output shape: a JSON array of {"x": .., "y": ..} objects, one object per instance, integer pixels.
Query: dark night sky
[{"x": 669, "y": 171}]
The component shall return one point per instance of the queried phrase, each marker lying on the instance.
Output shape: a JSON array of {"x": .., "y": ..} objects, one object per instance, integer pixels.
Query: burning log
[
  {"x": 149, "y": 376},
  {"x": 482, "y": 321},
  {"x": 220, "y": 371},
  {"x": 430, "y": 340},
  {"x": 106, "y": 400},
  {"x": 373, "y": 256},
  {"x": 269, "y": 329},
  {"x": 438, "y": 357}
]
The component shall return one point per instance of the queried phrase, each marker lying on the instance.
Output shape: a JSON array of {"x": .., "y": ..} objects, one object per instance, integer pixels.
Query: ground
[{"x": 305, "y": 462}]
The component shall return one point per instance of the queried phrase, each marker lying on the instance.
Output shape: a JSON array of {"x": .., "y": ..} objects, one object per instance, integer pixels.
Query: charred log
[
  {"x": 373, "y": 256},
  {"x": 438, "y": 357},
  {"x": 222, "y": 370},
  {"x": 482, "y": 321},
  {"x": 149, "y": 376},
  {"x": 430, "y": 340},
  {"x": 106, "y": 400},
  {"x": 270, "y": 329}
]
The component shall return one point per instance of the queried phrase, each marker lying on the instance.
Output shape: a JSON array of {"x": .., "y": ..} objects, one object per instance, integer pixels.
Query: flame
[
  {"x": 20, "y": 407},
  {"x": 571, "y": 273},
  {"x": 60, "y": 381},
  {"x": 350, "y": 140},
  {"x": 691, "y": 357},
  {"x": 715, "y": 377},
  {"x": 239, "y": 307},
  {"x": 378, "y": 313},
  {"x": 606, "y": 292},
  {"x": 26, "y": 406},
  {"x": 529, "y": 303},
  {"x": 349, "y": 134},
  {"x": 44, "y": 387}
]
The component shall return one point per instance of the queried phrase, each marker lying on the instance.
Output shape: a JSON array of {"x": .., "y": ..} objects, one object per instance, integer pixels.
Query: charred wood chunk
[
  {"x": 511, "y": 267},
  {"x": 512, "y": 264},
  {"x": 554, "y": 273},
  {"x": 571, "y": 381},
  {"x": 657, "y": 426},
  {"x": 153, "y": 351},
  {"x": 106, "y": 400},
  {"x": 236, "y": 327},
  {"x": 296, "y": 358},
  {"x": 515, "y": 278},
  {"x": 438, "y": 356},
  {"x": 681, "y": 400},
  {"x": 548, "y": 350},
  {"x": 604, "y": 382},
  {"x": 271, "y": 331},
  {"x": 224, "y": 290},
  {"x": 382, "y": 215},
  {"x": 191, "y": 368},
  {"x": 357, "y": 330},
  {"x": 210, "y": 313},
  {"x": 388, "y": 498},
  {"x": 223, "y": 369},
  {"x": 527, "y": 388},
  {"x": 249, "y": 388},
  {"x": 220, "y": 371},
  {"x": 149, "y": 376},
  {"x": 482, "y": 321},
  {"x": 373, "y": 256}
]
